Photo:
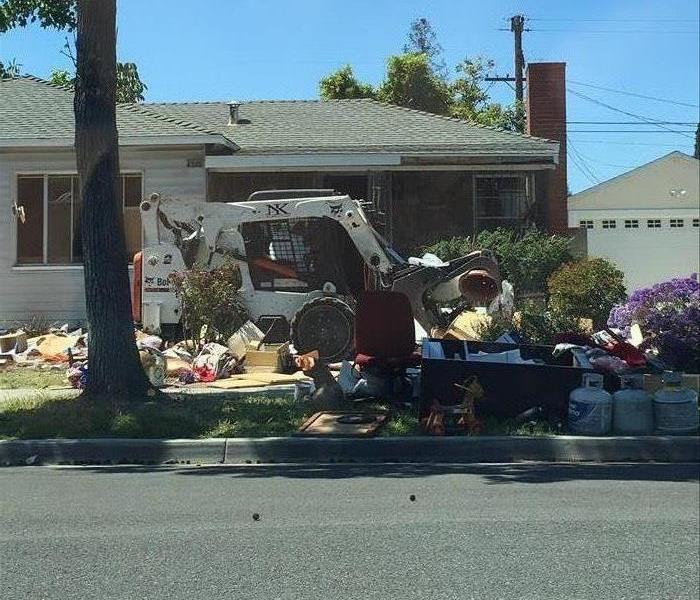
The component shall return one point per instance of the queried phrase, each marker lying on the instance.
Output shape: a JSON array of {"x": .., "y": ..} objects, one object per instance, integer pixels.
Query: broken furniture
[
  {"x": 384, "y": 340},
  {"x": 514, "y": 377}
]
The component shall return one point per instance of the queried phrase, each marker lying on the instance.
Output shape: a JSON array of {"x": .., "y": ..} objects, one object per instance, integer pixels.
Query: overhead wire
[
  {"x": 633, "y": 94},
  {"x": 648, "y": 120}
]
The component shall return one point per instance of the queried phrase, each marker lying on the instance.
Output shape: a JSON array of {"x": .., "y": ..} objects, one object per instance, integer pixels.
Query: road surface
[{"x": 339, "y": 532}]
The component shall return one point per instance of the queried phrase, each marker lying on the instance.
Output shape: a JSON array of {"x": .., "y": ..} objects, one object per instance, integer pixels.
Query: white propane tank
[
  {"x": 675, "y": 406},
  {"x": 590, "y": 407},
  {"x": 633, "y": 413}
]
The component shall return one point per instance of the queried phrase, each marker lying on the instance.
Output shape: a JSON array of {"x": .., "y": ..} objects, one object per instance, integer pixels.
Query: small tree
[
  {"x": 212, "y": 308},
  {"x": 587, "y": 289}
]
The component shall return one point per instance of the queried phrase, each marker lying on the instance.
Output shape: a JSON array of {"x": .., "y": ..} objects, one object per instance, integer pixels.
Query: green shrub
[
  {"x": 526, "y": 260},
  {"x": 586, "y": 289},
  {"x": 540, "y": 325},
  {"x": 212, "y": 308}
]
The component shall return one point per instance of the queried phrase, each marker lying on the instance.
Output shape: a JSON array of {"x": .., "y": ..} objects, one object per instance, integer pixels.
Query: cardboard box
[{"x": 272, "y": 357}]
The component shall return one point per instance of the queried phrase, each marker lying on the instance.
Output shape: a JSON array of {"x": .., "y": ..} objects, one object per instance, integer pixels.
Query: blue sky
[{"x": 251, "y": 49}]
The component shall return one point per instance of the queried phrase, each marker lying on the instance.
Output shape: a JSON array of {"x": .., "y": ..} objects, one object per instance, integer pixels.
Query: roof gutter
[
  {"x": 152, "y": 140},
  {"x": 394, "y": 161}
]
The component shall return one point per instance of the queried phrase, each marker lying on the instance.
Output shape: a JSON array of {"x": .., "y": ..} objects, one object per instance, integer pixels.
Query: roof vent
[{"x": 233, "y": 107}]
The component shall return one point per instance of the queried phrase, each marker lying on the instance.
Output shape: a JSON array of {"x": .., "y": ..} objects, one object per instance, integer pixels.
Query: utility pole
[{"x": 517, "y": 26}]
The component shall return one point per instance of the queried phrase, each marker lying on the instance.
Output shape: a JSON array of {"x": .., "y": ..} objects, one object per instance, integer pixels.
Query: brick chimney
[{"x": 546, "y": 117}]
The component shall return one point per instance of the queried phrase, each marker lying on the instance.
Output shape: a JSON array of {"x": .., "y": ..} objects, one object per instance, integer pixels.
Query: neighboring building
[
  {"x": 647, "y": 221},
  {"x": 424, "y": 176}
]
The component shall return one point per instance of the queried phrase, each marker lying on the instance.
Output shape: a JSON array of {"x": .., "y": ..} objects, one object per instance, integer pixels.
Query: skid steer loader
[{"x": 304, "y": 256}]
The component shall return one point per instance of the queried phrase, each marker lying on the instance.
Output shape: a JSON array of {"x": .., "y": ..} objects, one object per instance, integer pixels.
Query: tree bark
[{"x": 114, "y": 368}]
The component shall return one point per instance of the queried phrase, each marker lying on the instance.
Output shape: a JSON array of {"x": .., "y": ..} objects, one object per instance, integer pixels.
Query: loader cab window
[{"x": 300, "y": 255}]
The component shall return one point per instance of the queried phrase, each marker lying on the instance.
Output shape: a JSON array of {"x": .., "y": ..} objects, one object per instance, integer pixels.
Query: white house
[
  {"x": 426, "y": 176},
  {"x": 646, "y": 220}
]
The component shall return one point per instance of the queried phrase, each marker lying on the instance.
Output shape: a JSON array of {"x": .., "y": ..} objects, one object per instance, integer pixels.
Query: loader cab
[{"x": 301, "y": 255}]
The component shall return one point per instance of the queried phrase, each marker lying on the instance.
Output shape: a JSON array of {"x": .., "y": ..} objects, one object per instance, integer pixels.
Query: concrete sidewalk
[{"x": 290, "y": 450}]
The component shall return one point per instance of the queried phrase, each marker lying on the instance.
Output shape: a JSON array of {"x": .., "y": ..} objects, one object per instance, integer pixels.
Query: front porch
[{"x": 410, "y": 208}]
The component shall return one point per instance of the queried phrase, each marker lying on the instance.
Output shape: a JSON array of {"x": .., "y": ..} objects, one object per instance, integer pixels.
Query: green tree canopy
[
  {"x": 344, "y": 85},
  {"x": 130, "y": 88},
  {"x": 412, "y": 82},
  {"x": 418, "y": 79},
  {"x": 61, "y": 14}
]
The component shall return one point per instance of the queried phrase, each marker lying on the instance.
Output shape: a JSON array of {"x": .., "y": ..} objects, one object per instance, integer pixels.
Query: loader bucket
[{"x": 478, "y": 286}]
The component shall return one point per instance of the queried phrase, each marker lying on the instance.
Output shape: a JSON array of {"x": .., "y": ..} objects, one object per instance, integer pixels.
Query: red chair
[{"x": 385, "y": 332}]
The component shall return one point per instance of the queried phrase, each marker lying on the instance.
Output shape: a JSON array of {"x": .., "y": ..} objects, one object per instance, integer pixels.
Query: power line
[
  {"x": 624, "y": 112},
  {"x": 650, "y": 20},
  {"x": 656, "y": 31},
  {"x": 628, "y": 123},
  {"x": 624, "y": 93},
  {"x": 633, "y": 131},
  {"x": 616, "y": 143},
  {"x": 580, "y": 162}
]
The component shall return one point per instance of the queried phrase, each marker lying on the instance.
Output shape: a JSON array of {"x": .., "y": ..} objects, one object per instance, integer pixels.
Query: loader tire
[{"x": 325, "y": 324}]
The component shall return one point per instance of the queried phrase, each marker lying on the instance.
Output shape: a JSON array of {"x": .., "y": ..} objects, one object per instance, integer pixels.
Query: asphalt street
[{"x": 346, "y": 532}]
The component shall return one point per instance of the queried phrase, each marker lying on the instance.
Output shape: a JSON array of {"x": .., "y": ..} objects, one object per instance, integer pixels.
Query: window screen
[{"x": 501, "y": 202}]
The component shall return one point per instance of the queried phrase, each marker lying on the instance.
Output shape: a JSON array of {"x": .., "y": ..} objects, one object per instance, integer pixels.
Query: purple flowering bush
[{"x": 668, "y": 314}]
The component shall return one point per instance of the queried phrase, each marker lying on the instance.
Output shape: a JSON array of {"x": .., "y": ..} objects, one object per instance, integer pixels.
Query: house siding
[{"x": 56, "y": 293}]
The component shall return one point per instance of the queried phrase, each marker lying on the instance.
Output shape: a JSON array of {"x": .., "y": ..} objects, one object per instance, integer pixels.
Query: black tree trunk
[{"x": 115, "y": 371}]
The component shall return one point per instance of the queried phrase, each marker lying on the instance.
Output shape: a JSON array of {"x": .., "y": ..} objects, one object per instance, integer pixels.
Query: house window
[
  {"x": 631, "y": 223},
  {"x": 585, "y": 224},
  {"x": 675, "y": 223},
  {"x": 609, "y": 224},
  {"x": 653, "y": 223},
  {"x": 502, "y": 202},
  {"x": 50, "y": 234},
  {"x": 696, "y": 222}
]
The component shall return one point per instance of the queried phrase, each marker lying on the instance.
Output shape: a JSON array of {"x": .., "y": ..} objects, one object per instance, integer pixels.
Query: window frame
[
  {"x": 530, "y": 195},
  {"x": 608, "y": 224},
  {"x": 586, "y": 224},
  {"x": 631, "y": 224},
  {"x": 657, "y": 224},
  {"x": 45, "y": 174},
  {"x": 676, "y": 223}
]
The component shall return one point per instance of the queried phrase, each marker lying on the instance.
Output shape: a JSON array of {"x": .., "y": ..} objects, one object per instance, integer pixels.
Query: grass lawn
[
  {"x": 36, "y": 415},
  {"x": 12, "y": 378}
]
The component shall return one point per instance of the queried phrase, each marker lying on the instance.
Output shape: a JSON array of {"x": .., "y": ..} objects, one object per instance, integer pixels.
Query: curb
[
  {"x": 111, "y": 451},
  {"x": 454, "y": 450}
]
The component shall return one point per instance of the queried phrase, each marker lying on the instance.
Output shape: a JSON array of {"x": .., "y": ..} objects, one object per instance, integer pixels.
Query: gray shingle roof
[
  {"x": 299, "y": 126},
  {"x": 36, "y": 111},
  {"x": 32, "y": 109}
]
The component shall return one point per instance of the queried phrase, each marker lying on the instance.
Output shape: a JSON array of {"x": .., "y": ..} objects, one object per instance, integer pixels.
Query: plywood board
[
  {"x": 327, "y": 424},
  {"x": 233, "y": 384}
]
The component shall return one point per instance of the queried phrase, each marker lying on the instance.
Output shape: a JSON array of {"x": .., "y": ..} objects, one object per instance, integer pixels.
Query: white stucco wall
[
  {"x": 668, "y": 188},
  {"x": 56, "y": 292}
]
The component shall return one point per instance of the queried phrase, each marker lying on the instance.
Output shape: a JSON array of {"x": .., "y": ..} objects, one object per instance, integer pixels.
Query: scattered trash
[
  {"x": 13, "y": 342},
  {"x": 336, "y": 423}
]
